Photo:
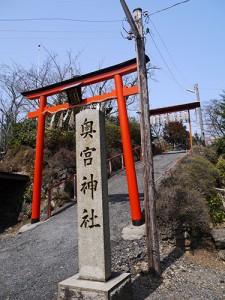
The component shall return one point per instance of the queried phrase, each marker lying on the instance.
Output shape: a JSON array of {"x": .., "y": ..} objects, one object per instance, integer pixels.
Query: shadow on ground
[
  {"x": 63, "y": 208},
  {"x": 116, "y": 198},
  {"x": 146, "y": 284}
]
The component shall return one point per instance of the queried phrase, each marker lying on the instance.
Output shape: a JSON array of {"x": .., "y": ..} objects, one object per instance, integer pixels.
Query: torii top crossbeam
[
  {"x": 124, "y": 68},
  {"x": 116, "y": 73},
  {"x": 174, "y": 108}
]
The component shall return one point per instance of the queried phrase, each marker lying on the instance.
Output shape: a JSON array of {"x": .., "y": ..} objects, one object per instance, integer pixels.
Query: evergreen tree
[{"x": 175, "y": 134}]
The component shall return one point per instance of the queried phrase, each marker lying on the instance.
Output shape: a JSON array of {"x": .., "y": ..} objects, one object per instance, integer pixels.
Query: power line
[
  {"x": 161, "y": 10},
  {"x": 183, "y": 90},
  {"x": 212, "y": 89},
  {"x": 83, "y": 21},
  {"x": 169, "y": 54},
  {"x": 58, "y": 31},
  {"x": 59, "y": 19},
  {"x": 158, "y": 64},
  {"x": 61, "y": 38}
]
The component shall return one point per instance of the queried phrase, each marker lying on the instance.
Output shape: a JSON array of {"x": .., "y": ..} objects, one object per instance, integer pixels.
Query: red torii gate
[
  {"x": 115, "y": 72},
  {"x": 175, "y": 108}
]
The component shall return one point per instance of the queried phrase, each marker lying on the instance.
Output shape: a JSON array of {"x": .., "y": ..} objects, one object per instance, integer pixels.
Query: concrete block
[
  {"x": 132, "y": 232},
  {"x": 116, "y": 288},
  {"x": 30, "y": 226}
]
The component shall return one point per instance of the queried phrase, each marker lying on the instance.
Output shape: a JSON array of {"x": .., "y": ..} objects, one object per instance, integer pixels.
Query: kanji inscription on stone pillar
[{"x": 92, "y": 193}]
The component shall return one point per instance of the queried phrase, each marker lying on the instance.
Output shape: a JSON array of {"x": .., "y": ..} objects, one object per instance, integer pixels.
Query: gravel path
[
  {"x": 196, "y": 276},
  {"x": 32, "y": 263}
]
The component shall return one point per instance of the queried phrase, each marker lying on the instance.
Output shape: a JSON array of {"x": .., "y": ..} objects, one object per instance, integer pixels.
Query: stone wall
[
  {"x": 218, "y": 235},
  {"x": 182, "y": 237}
]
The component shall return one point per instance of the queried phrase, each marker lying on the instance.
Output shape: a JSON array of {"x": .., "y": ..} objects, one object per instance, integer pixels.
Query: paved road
[{"x": 32, "y": 263}]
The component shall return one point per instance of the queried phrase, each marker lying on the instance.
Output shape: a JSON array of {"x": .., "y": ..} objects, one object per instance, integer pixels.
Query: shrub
[
  {"x": 135, "y": 132},
  {"x": 219, "y": 146},
  {"x": 199, "y": 174},
  {"x": 176, "y": 206},
  {"x": 27, "y": 196},
  {"x": 57, "y": 139},
  {"x": 217, "y": 214},
  {"x": 23, "y": 133},
  {"x": 113, "y": 139},
  {"x": 28, "y": 214},
  {"x": 61, "y": 198},
  {"x": 20, "y": 159},
  {"x": 205, "y": 152},
  {"x": 58, "y": 166},
  {"x": 221, "y": 167},
  {"x": 182, "y": 198}
]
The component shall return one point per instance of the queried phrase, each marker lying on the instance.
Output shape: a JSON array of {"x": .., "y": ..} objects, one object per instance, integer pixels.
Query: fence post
[
  {"x": 164, "y": 147},
  {"x": 110, "y": 167},
  {"x": 74, "y": 187},
  {"x": 49, "y": 203},
  {"x": 122, "y": 160}
]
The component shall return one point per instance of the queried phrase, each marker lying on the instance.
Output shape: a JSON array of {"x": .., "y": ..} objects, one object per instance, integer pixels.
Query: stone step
[{"x": 218, "y": 235}]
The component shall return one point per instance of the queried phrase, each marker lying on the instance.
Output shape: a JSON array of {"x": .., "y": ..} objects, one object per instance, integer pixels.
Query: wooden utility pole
[
  {"x": 148, "y": 172},
  {"x": 200, "y": 114},
  {"x": 190, "y": 131}
]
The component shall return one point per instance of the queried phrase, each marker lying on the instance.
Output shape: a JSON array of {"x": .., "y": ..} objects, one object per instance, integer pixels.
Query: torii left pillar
[{"x": 35, "y": 214}]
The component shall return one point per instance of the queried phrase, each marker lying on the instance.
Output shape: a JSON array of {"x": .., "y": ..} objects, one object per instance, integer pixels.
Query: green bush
[
  {"x": 28, "y": 214},
  {"x": 177, "y": 205},
  {"x": 113, "y": 139},
  {"x": 219, "y": 146},
  {"x": 57, "y": 139},
  {"x": 113, "y": 135},
  {"x": 23, "y": 133},
  {"x": 187, "y": 196},
  {"x": 197, "y": 173},
  {"x": 221, "y": 167},
  {"x": 135, "y": 132},
  {"x": 215, "y": 205},
  {"x": 205, "y": 152},
  {"x": 27, "y": 196}
]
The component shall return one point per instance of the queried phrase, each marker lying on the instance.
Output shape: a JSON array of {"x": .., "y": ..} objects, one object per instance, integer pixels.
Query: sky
[{"x": 186, "y": 42}]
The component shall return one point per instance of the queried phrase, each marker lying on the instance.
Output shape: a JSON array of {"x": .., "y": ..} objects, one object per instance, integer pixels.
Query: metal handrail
[
  {"x": 109, "y": 160},
  {"x": 169, "y": 170},
  {"x": 74, "y": 176}
]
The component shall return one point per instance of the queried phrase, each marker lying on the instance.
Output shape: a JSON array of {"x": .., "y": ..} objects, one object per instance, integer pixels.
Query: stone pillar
[
  {"x": 92, "y": 194},
  {"x": 94, "y": 280}
]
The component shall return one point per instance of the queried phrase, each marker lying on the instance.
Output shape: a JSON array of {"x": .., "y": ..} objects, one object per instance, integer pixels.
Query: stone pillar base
[{"x": 116, "y": 288}]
